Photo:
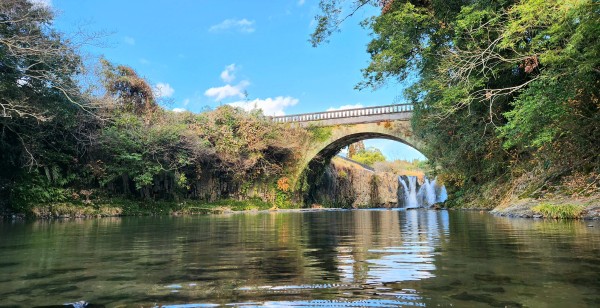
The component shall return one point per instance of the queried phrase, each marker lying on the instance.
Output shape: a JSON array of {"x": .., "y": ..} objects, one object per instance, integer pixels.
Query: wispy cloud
[
  {"x": 129, "y": 40},
  {"x": 228, "y": 75},
  {"x": 301, "y": 2},
  {"x": 269, "y": 106},
  {"x": 163, "y": 90},
  {"x": 219, "y": 93},
  {"x": 242, "y": 25},
  {"x": 186, "y": 101},
  {"x": 345, "y": 107}
]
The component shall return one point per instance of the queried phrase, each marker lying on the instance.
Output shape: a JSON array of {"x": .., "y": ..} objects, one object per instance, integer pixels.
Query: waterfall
[
  {"x": 410, "y": 192},
  {"x": 442, "y": 195},
  {"x": 427, "y": 194}
]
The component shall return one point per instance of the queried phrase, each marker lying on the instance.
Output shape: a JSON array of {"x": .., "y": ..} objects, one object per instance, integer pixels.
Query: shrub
[{"x": 559, "y": 211}]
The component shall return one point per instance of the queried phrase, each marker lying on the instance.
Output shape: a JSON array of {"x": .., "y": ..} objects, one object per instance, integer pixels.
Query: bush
[{"x": 559, "y": 211}]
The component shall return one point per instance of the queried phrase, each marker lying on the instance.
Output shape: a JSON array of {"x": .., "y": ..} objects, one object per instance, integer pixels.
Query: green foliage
[
  {"x": 34, "y": 188},
  {"x": 66, "y": 209},
  {"x": 415, "y": 167},
  {"x": 247, "y": 145},
  {"x": 559, "y": 211},
  {"x": 283, "y": 194},
  {"x": 499, "y": 86},
  {"x": 234, "y": 205},
  {"x": 132, "y": 92},
  {"x": 369, "y": 156},
  {"x": 39, "y": 94},
  {"x": 320, "y": 133},
  {"x": 127, "y": 144},
  {"x": 142, "y": 152}
]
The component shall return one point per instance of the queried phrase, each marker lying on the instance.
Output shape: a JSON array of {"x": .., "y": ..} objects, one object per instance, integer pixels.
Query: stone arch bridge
[{"x": 341, "y": 128}]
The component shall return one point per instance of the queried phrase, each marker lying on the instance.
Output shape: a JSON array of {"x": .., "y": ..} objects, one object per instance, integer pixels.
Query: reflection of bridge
[{"x": 398, "y": 112}]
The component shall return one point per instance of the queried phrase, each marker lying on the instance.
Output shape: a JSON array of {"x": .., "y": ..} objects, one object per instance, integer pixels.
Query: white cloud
[
  {"x": 179, "y": 110},
  {"x": 129, "y": 40},
  {"x": 186, "y": 101},
  {"x": 219, "y": 93},
  {"x": 163, "y": 90},
  {"x": 301, "y": 2},
  {"x": 241, "y": 25},
  {"x": 345, "y": 107},
  {"x": 228, "y": 75},
  {"x": 43, "y": 3},
  {"x": 269, "y": 106}
]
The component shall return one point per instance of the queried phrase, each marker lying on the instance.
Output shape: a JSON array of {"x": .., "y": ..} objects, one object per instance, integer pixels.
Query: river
[{"x": 357, "y": 258}]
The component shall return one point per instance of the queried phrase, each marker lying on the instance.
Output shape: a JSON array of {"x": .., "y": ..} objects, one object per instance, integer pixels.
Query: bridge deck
[{"x": 398, "y": 112}]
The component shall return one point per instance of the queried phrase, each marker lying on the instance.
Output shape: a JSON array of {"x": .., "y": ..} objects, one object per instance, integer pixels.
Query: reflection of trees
[
  {"x": 534, "y": 263},
  {"x": 295, "y": 256}
]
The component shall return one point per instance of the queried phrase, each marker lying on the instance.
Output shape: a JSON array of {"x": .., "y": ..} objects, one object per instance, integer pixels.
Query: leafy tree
[
  {"x": 130, "y": 91},
  {"x": 369, "y": 156},
  {"x": 355, "y": 148},
  {"x": 38, "y": 89},
  {"x": 42, "y": 108}
]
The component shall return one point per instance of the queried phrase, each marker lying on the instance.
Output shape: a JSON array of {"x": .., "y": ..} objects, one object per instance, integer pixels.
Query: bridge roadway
[{"x": 397, "y": 112}]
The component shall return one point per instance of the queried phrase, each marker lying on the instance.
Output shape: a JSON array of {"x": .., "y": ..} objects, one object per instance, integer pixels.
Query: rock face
[{"x": 348, "y": 184}]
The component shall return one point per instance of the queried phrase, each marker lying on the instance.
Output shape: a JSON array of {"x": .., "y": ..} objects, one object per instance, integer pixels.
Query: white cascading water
[
  {"x": 428, "y": 194},
  {"x": 442, "y": 195},
  {"x": 410, "y": 191}
]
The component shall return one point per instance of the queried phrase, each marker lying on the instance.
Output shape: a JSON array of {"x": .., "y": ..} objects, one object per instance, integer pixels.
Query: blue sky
[{"x": 246, "y": 53}]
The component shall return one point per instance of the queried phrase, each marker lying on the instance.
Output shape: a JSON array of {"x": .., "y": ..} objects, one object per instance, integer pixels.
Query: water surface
[{"x": 384, "y": 258}]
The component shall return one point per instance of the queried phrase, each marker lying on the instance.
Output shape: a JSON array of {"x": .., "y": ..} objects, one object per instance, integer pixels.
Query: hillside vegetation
[{"x": 63, "y": 142}]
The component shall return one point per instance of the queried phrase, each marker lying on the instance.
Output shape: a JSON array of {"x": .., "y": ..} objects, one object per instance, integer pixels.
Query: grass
[
  {"x": 559, "y": 211},
  {"x": 126, "y": 207},
  {"x": 74, "y": 210}
]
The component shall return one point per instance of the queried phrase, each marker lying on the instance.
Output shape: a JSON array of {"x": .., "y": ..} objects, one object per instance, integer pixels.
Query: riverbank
[
  {"x": 125, "y": 207},
  {"x": 560, "y": 208},
  {"x": 587, "y": 208},
  {"x": 556, "y": 207},
  {"x": 119, "y": 207}
]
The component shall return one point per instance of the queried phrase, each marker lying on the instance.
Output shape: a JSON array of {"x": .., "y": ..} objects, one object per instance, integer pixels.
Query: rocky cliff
[{"x": 348, "y": 184}]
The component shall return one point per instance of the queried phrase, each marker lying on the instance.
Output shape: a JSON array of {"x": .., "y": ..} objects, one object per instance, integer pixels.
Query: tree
[
  {"x": 128, "y": 89},
  {"x": 38, "y": 86},
  {"x": 369, "y": 156},
  {"x": 355, "y": 148},
  {"x": 35, "y": 59}
]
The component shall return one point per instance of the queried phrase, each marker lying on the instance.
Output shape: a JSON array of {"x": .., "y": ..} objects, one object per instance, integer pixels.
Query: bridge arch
[
  {"x": 330, "y": 150},
  {"x": 339, "y": 128},
  {"x": 319, "y": 152}
]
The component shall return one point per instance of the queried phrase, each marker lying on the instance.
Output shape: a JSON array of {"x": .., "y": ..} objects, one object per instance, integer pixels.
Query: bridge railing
[{"x": 345, "y": 113}]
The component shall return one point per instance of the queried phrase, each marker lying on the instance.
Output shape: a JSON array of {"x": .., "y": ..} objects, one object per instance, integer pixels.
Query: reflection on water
[{"x": 384, "y": 258}]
